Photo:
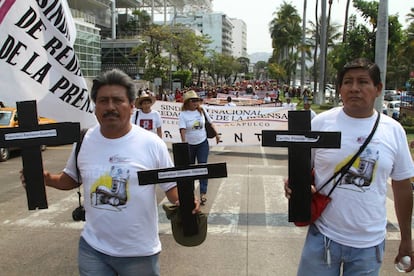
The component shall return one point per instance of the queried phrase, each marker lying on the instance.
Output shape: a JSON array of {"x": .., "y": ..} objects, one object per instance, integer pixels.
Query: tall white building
[
  {"x": 216, "y": 25},
  {"x": 228, "y": 35},
  {"x": 239, "y": 38}
]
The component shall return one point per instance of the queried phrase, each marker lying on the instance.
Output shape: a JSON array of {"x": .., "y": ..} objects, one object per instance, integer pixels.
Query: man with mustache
[{"x": 120, "y": 236}]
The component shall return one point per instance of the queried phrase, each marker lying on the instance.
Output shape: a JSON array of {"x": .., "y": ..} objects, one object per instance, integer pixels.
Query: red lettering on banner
[{"x": 5, "y": 6}]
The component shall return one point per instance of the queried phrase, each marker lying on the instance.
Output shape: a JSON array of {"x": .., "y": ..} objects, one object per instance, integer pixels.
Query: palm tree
[
  {"x": 332, "y": 36},
  {"x": 348, "y": 2},
  {"x": 410, "y": 16},
  {"x": 286, "y": 34}
]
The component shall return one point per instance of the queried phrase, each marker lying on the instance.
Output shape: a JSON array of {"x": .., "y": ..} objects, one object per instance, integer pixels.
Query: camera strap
[{"x": 77, "y": 149}]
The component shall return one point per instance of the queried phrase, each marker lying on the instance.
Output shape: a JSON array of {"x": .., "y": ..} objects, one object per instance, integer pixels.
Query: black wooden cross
[
  {"x": 184, "y": 174},
  {"x": 299, "y": 139},
  {"x": 30, "y": 136}
]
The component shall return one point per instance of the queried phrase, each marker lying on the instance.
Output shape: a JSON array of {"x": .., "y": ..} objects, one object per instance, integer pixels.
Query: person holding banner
[
  {"x": 120, "y": 235},
  {"x": 191, "y": 123},
  {"x": 349, "y": 236}
]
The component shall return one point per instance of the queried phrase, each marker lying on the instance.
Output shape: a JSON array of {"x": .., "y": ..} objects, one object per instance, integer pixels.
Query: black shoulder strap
[
  {"x": 136, "y": 116},
  {"x": 205, "y": 115},
  {"x": 77, "y": 149}
]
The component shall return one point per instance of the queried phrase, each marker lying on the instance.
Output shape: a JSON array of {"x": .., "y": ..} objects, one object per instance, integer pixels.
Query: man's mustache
[{"x": 111, "y": 113}]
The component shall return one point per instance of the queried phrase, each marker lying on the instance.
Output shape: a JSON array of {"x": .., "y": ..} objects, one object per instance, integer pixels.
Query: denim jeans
[
  {"x": 94, "y": 263},
  {"x": 324, "y": 257},
  {"x": 200, "y": 152}
]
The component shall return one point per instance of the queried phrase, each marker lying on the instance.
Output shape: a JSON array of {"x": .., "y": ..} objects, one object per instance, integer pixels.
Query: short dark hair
[
  {"x": 361, "y": 63},
  {"x": 114, "y": 77}
]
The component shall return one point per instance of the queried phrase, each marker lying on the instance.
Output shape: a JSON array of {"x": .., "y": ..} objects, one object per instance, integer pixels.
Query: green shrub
[
  {"x": 409, "y": 129},
  {"x": 407, "y": 121}
]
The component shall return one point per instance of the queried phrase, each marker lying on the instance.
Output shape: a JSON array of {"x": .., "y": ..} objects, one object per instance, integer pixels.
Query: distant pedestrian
[
  {"x": 307, "y": 106},
  {"x": 230, "y": 103},
  {"x": 144, "y": 116},
  {"x": 289, "y": 105}
]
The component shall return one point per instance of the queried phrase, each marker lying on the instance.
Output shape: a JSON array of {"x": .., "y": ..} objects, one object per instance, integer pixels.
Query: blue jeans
[
  {"x": 354, "y": 261},
  {"x": 94, "y": 263},
  {"x": 200, "y": 152}
]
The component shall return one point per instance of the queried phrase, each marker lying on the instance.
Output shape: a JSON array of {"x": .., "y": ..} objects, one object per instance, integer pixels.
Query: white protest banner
[
  {"x": 38, "y": 61},
  {"x": 238, "y": 126}
]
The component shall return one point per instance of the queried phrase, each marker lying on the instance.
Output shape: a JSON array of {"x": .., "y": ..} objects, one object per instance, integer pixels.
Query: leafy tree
[
  {"x": 277, "y": 72},
  {"x": 140, "y": 22},
  {"x": 241, "y": 66},
  {"x": 259, "y": 67},
  {"x": 184, "y": 75},
  {"x": 157, "y": 64},
  {"x": 360, "y": 39},
  {"x": 186, "y": 46},
  {"x": 244, "y": 64}
]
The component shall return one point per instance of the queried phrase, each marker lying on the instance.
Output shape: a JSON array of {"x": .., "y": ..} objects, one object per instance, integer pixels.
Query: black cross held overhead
[
  {"x": 299, "y": 139},
  {"x": 184, "y": 174},
  {"x": 30, "y": 136}
]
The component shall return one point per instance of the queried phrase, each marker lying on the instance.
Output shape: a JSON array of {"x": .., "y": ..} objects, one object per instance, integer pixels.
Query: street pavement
[{"x": 248, "y": 231}]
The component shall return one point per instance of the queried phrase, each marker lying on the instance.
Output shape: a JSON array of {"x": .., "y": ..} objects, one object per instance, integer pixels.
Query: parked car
[
  {"x": 393, "y": 109},
  {"x": 394, "y": 97},
  {"x": 408, "y": 96},
  {"x": 9, "y": 118},
  {"x": 391, "y": 95}
]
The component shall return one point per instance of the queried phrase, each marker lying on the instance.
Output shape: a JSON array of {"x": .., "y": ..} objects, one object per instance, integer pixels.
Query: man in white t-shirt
[
  {"x": 289, "y": 105},
  {"x": 120, "y": 235},
  {"x": 349, "y": 236},
  {"x": 144, "y": 116}
]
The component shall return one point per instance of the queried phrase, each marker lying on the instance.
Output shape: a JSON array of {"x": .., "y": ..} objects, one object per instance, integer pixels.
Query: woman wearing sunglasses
[{"x": 191, "y": 122}]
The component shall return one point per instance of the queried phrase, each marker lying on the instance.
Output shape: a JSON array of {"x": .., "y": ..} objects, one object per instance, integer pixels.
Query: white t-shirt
[
  {"x": 121, "y": 216},
  {"x": 149, "y": 121},
  {"x": 231, "y": 104},
  {"x": 289, "y": 106},
  {"x": 194, "y": 124},
  {"x": 356, "y": 216}
]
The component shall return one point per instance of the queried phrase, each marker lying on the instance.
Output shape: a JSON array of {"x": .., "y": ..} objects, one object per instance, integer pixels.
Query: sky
[{"x": 258, "y": 13}]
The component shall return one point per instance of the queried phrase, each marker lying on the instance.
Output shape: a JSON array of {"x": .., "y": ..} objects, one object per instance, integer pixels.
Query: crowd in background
[{"x": 254, "y": 90}]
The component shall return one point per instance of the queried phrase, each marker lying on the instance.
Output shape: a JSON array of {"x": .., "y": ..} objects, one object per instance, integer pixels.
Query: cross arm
[
  {"x": 48, "y": 134},
  {"x": 314, "y": 139},
  {"x": 190, "y": 173}
]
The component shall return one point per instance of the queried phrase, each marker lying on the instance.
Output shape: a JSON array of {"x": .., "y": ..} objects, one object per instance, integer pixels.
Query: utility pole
[
  {"x": 303, "y": 65},
  {"x": 113, "y": 15},
  {"x": 320, "y": 96},
  {"x": 381, "y": 48}
]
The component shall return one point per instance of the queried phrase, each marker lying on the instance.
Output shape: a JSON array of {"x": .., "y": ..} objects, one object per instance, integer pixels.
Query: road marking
[
  {"x": 50, "y": 217},
  {"x": 229, "y": 213},
  {"x": 265, "y": 162}
]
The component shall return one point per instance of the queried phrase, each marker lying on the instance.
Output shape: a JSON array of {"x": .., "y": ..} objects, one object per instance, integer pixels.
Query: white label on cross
[
  {"x": 183, "y": 173},
  {"x": 30, "y": 134},
  {"x": 296, "y": 138}
]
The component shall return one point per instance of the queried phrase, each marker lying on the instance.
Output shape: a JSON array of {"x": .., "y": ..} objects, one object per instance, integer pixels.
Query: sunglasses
[{"x": 194, "y": 100}]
